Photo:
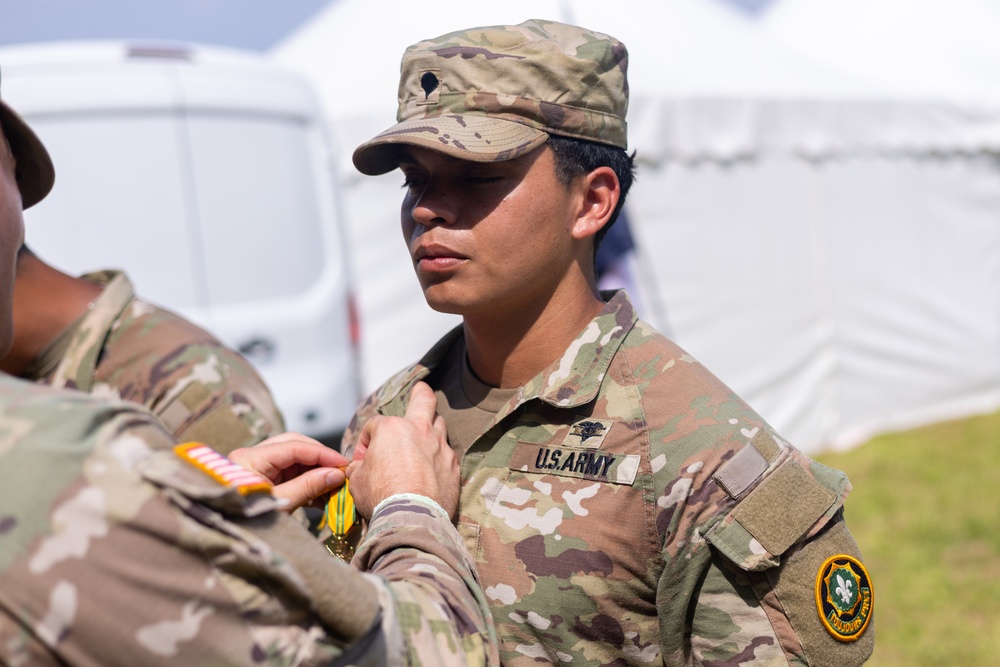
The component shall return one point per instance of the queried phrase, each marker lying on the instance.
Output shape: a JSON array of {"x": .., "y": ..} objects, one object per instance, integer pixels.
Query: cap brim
[
  {"x": 34, "y": 172},
  {"x": 467, "y": 137}
]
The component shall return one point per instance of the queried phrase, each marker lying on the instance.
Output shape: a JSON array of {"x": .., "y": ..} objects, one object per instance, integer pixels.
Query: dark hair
[{"x": 576, "y": 157}]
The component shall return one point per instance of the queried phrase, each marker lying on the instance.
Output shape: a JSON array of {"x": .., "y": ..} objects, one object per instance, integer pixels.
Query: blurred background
[{"x": 816, "y": 219}]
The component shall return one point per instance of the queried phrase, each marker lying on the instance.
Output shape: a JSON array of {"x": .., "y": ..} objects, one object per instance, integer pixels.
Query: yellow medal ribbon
[
  {"x": 342, "y": 506},
  {"x": 341, "y": 517}
]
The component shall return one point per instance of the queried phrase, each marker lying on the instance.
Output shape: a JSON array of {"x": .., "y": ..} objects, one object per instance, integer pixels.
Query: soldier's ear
[{"x": 600, "y": 192}]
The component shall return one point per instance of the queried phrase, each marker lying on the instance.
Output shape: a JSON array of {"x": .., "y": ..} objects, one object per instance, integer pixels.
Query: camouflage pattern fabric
[
  {"x": 115, "y": 551},
  {"x": 198, "y": 387},
  {"x": 496, "y": 92},
  {"x": 627, "y": 508}
]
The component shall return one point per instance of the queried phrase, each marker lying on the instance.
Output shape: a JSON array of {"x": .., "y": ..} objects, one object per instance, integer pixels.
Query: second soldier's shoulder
[
  {"x": 67, "y": 427},
  {"x": 148, "y": 332},
  {"x": 141, "y": 317},
  {"x": 29, "y": 404}
]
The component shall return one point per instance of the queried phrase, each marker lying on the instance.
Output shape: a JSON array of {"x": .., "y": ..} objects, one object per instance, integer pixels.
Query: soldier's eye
[
  {"x": 410, "y": 182},
  {"x": 478, "y": 180}
]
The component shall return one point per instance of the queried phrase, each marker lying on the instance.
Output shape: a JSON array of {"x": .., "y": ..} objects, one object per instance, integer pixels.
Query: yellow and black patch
[{"x": 844, "y": 597}]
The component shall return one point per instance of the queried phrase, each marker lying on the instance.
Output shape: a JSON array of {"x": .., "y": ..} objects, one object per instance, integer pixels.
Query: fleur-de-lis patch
[
  {"x": 844, "y": 597},
  {"x": 845, "y": 589}
]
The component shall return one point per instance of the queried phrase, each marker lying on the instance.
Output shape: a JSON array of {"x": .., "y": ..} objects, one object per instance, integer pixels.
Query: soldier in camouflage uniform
[
  {"x": 623, "y": 506},
  {"x": 119, "y": 548},
  {"x": 93, "y": 334}
]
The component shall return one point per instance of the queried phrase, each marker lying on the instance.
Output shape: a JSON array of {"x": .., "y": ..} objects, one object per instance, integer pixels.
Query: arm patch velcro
[
  {"x": 776, "y": 514},
  {"x": 783, "y": 507},
  {"x": 220, "y": 429},
  {"x": 179, "y": 410}
]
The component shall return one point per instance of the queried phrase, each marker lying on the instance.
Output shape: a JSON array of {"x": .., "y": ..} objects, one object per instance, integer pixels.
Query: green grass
[{"x": 926, "y": 512}]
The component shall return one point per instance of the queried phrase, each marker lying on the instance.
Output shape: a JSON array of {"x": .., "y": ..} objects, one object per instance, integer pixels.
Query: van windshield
[{"x": 206, "y": 209}]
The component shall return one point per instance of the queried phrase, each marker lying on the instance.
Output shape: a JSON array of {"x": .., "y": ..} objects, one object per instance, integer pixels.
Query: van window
[
  {"x": 257, "y": 204},
  {"x": 118, "y": 193}
]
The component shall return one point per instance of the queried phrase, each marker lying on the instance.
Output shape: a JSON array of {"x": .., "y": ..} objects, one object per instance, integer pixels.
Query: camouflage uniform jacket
[
  {"x": 198, "y": 387},
  {"x": 627, "y": 508},
  {"x": 114, "y": 550}
]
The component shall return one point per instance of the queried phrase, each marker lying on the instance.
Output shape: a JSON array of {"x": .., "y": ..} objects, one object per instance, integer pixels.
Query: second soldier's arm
[{"x": 111, "y": 536}]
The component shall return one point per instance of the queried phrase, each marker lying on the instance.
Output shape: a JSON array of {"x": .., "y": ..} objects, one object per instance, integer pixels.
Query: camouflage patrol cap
[
  {"x": 494, "y": 93},
  {"x": 34, "y": 172}
]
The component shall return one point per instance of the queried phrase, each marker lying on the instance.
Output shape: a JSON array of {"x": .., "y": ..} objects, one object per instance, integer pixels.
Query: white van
[{"x": 205, "y": 173}]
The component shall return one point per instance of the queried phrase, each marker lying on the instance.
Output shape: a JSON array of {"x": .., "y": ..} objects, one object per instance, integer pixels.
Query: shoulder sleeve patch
[{"x": 844, "y": 597}]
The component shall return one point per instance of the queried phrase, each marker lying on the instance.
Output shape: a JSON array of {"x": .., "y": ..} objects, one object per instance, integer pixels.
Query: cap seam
[{"x": 533, "y": 100}]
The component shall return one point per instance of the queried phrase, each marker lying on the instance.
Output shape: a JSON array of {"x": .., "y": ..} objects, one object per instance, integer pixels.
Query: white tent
[
  {"x": 924, "y": 48},
  {"x": 830, "y": 250}
]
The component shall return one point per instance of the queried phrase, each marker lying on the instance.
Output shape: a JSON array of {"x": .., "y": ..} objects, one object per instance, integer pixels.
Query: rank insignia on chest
[
  {"x": 221, "y": 469},
  {"x": 844, "y": 597},
  {"x": 588, "y": 433}
]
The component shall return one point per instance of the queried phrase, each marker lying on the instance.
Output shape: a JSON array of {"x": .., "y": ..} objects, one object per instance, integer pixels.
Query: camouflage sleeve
[
  {"x": 105, "y": 532},
  {"x": 782, "y": 621},
  {"x": 432, "y": 590},
  {"x": 759, "y": 567},
  {"x": 228, "y": 409},
  {"x": 91, "y": 549}
]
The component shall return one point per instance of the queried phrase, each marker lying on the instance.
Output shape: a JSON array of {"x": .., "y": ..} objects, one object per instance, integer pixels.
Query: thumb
[
  {"x": 364, "y": 439},
  {"x": 422, "y": 404},
  {"x": 310, "y": 485}
]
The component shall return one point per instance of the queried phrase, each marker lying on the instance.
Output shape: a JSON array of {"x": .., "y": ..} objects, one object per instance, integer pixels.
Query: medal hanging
[{"x": 342, "y": 519}]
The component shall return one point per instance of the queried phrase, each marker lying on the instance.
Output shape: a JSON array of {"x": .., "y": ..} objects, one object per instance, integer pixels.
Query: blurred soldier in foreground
[
  {"x": 93, "y": 334},
  {"x": 119, "y": 548},
  {"x": 624, "y": 506}
]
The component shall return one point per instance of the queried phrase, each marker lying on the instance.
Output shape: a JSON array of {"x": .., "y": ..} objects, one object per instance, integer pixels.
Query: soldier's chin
[
  {"x": 438, "y": 298},
  {"x": 444, "y": 306}
]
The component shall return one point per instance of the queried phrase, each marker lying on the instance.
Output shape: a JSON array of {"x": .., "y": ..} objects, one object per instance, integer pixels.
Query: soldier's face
[
  {"x": 487, "y": 238},
  {"x": 11, "y": 238}
]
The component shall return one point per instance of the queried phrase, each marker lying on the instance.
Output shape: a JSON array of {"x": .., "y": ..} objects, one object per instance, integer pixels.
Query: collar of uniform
[
  {"x": 401, "y": 383},
  {"x": 115, "y": 296},
  {"x": 571, "y": 381},
  {"x": 576, "y": 378},
  {"x": 117, "y": 293}
]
